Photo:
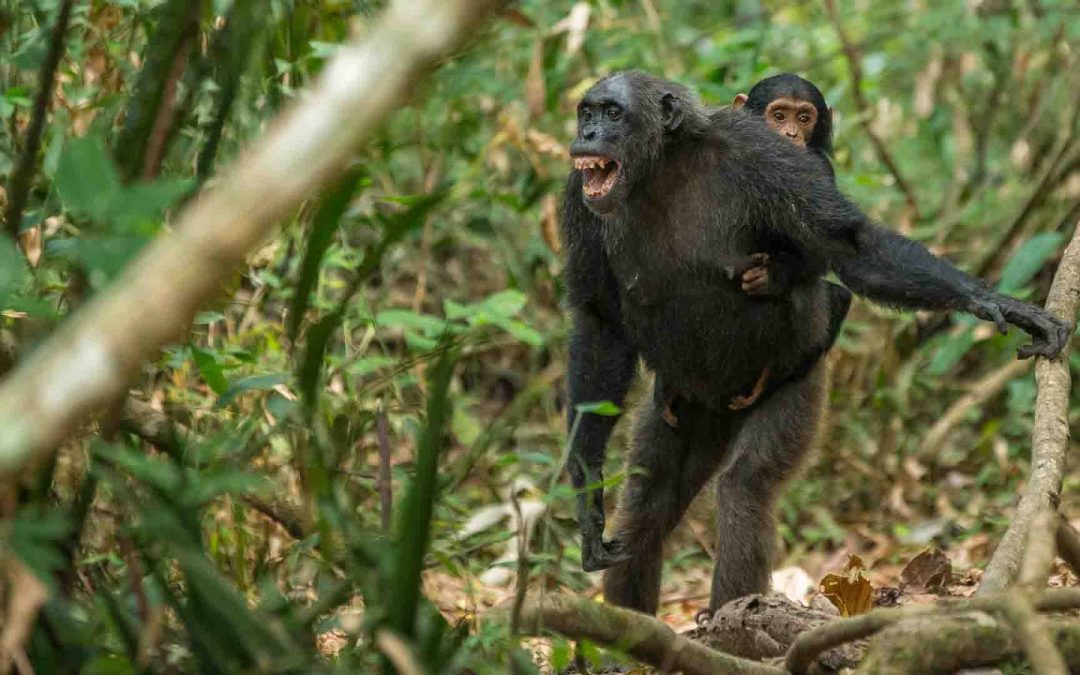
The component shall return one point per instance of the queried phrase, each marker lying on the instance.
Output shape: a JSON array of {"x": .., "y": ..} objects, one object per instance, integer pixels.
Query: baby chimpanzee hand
[{"x": 768, "y": 275}]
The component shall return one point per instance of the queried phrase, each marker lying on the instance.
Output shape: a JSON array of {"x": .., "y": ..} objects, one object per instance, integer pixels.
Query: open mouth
[{"x": 599, "y": 174}]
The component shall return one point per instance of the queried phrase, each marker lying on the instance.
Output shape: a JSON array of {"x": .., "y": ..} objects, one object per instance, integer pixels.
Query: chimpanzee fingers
[
  {"x": 999, "y": 319},
  {"x": 760, "y": 258},
  {"x": 1049, "y": 335},
  {"x": 609, "y": 554}
]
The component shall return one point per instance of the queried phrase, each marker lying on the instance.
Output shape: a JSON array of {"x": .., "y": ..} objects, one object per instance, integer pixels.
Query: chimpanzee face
[
  {"x": 792, "y": 118},
  {"x": 603, "y": 137}
]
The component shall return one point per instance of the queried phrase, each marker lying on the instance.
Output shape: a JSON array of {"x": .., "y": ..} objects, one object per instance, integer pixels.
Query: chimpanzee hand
[
  {"x": 1048, "y": 332},
  {"x": 768, "y": 275},
  {"x": 597, "y": 554}
]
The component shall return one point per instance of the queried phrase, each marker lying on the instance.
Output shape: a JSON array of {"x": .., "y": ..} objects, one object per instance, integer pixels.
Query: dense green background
[{"x": 428, "y": 279}]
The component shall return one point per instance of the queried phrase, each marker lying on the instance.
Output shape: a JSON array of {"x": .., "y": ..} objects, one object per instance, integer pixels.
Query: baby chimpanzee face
[{"x": 792, "y": 118}]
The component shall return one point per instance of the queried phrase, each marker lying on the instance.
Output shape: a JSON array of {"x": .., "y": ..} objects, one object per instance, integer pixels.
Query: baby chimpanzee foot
[
  {"x": 741, "y": 402},
  {"x": 668, "y": 415}
]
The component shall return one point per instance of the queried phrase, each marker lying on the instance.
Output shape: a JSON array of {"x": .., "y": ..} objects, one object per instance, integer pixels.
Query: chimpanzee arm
[
  {"x": 896, "y": 271},
  {"x": 601, "y": 368}
]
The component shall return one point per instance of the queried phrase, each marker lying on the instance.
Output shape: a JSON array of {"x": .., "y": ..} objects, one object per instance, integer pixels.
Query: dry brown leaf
[
  {"x": 850, "y": 591},
  {"x": 549, "y": 223},
  {"x": 535, "y": 88},
  {"x": 30, "y": 241},
  {"x": 929, "y": 571}
]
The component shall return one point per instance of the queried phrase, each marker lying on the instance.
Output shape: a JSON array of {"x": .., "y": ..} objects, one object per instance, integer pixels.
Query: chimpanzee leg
[
  {"x": 767, "y": 449},
  {"x": 666, "y": 468}
]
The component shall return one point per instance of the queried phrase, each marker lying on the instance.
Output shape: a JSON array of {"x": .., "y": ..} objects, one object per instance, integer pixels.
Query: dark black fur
[{"x": 645, "y": 279}]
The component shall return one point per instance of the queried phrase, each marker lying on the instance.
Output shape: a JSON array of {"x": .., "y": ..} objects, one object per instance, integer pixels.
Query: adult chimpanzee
[{"x": 664, "y": 197}]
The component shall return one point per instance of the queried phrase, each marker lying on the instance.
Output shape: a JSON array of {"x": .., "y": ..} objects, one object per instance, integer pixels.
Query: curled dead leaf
[
  {"x": 549, "y": 223},
  {"x": 850, "y": 591},
  {"x": 30, "y": 242},
  {"x": 535, "y": 87},
  {"x": 930, "y": 571}
]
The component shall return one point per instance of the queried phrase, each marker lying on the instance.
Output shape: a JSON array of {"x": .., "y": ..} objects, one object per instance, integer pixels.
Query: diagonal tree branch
[{"x": 90, "y": 360}]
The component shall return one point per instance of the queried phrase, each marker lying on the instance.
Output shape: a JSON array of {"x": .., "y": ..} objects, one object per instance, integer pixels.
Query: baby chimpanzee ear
[{"x": 673, "y": 112}]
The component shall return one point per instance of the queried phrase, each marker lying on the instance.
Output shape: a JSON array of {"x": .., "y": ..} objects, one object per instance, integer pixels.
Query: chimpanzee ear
[
  {"x": 740, "y": 101},
  {"x": 673, "y": 112},
  {"x": 830, "y": 115}
]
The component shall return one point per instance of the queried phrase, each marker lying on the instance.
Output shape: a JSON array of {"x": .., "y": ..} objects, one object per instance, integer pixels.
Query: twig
[
  {"x": 639, "y": 635},
  {"x": 89, "y": 361},
  {"x": 161, "y": 130},
  {"x": 805, "y": 649},
  {"x": 385, "y": 482},
  {"x": 854, "y": 61},
  {"x": 1050, "y": 434},
  {"x": 19, "y": 189},
  {"x": 978, "y": 393},
  {"x": 522, "y": 580}
]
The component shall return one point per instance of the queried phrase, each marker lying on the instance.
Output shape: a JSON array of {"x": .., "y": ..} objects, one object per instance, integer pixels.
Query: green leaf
[
  {"x": 506, "y": 303},
  {"x": 413, "y": 531},
  {"x": 368, "y": 365},
  {"x": 250, "y": 383},
  {"x": 86, "y": 178},
  {"x": 323, "y": 226},
  {"x": 210, "y": 370},
  {"x": 951, "y": 350},
  {"x": 602, "y": 408},
  {"x": 139, "y": 207},
  {"x": 1026, "y": 262},
  {"x": 12, "y": 269},
  {"x": 402, "y": 318},
  {"x": 522, "y": 331}
]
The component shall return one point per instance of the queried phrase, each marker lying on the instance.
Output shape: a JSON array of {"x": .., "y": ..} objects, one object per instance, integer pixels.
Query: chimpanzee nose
[{"x": 589, "y": 134}]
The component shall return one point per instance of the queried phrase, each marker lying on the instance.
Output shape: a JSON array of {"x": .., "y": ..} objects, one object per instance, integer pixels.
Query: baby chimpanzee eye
[
  {"x": 778, "y": 116},
  {"x": 804, "y": 118},
  {"x": 613, "y": 112}
]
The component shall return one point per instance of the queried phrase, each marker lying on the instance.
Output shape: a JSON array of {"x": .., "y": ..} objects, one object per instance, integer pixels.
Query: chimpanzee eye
[
  {"x": 586, "y": 114},
  {"x": 613, "y": 112},
  {"x": 778, "y": 116},
  {"x": 804, "y": 118}
]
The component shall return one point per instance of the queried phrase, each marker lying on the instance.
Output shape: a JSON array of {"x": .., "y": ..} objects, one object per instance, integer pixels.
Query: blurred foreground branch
[
  {"x": 1050, "y": 436},
  {"x": 90, "y": 359}
]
